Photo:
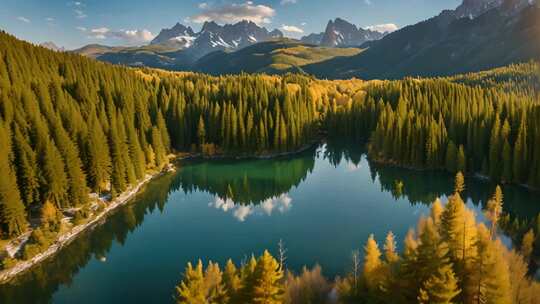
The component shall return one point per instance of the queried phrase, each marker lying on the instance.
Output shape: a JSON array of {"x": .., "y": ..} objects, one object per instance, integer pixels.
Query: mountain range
[
  {"x": 478, "y": 34},
  {"x": 181, "y": 48},
  {"x": 340, "y": 33},
  {"x": 52, "y": 46}
]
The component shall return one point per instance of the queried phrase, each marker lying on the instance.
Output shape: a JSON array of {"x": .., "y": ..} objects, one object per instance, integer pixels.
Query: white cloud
[
  {"x": 130, "y": 37},
  {"x": 242, "y": 212},
  {"x": 76, "y": 3},
  {"x": 291, "y": 29},
  {"x": 49, "y": 19},
  {"x": 285, "y": 2},
  {"x": 204, "y": 5},
  {"x": 280, "y": 203},
  {"x": 303, "y": 23},
  {"x": 383, "y": 28},
  {"x": 79, "y": 14},
  {"x": 81, "y": 28},
  {"x": 232, "y": 13},
  {"x": 223, "y": 204},
  {"x": 367, "y": 2},
  {"x": 23, "y": 19}
]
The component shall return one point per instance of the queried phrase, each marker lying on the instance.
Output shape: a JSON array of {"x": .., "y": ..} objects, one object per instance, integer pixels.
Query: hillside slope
[
  {"x": 273, "y": 57},
  {"x": 445, "y": 45}
]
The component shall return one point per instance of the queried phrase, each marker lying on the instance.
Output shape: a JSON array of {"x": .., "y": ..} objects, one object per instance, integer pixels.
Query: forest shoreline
[
  {"x": 476, "y": 175},
  {"x": 72, "y": 234},
  {"x": 69, "y": 236}
]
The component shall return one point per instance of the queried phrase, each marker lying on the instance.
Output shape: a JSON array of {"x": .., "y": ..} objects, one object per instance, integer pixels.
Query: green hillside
[{"x": 274, "y": 57}]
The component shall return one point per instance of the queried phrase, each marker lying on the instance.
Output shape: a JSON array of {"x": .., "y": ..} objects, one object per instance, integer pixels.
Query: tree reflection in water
[{"x": 245, "y": 187}]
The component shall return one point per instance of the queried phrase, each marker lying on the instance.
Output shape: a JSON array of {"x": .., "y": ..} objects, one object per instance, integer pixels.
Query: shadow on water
[{"x": 250, "y": 183}]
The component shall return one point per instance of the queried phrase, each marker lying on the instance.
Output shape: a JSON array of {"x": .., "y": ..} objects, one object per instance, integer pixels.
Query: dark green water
[{"x": 323, "y": 204}]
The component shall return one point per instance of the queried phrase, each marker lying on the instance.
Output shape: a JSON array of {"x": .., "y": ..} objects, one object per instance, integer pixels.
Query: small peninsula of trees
[{"x": 448, "y": 258}]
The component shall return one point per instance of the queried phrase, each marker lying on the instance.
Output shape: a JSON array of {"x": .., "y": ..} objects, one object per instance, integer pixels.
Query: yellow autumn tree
[{"x": 269, "y": 287}]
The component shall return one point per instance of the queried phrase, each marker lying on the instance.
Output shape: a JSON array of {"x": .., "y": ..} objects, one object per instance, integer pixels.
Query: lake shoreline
[
  {"x": 69, "y": 236},
  {"x": 303, "y": 148},
  {"x": 66, "y": 238},
  {"x": 476, "y": 175}
]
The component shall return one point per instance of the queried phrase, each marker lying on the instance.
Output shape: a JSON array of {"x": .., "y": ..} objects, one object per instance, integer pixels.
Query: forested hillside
[
  {"x": 455, "y": 41},
  {"x": 70, "y": 126},
  {"x": 486, "y": 123}
]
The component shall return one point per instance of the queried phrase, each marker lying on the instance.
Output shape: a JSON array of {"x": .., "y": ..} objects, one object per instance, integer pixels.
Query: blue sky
[{"x": 129, "y": 22}]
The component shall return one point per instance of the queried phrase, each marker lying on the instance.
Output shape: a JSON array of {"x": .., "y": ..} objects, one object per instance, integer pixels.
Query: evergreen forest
[{"x": 76, "y": 133}]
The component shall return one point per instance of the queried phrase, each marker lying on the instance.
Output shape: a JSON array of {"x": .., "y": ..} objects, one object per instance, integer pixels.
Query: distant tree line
[{"x": 486, "y": 123}]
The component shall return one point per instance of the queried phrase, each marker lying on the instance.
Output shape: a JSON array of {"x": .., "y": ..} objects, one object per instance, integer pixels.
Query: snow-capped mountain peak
[
  {"x": 341, "y": 33},
  {"x": 213, "y": 37}
]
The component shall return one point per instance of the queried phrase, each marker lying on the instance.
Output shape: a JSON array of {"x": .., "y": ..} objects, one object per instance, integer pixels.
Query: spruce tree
[
  {"x": 192, "y": 288},
  {"x": 12, "y": 212},
  {"x": 268, "y": 287},
  {"x": 440, "y": 288},
  {"x": 232, "y": 282},
  {"x": 390, "y": 250},
  {"x": 372, "y": 263}
]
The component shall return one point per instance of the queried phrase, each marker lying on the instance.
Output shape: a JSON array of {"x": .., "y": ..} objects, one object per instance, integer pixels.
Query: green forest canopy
[{"x": 71, "y": 126}]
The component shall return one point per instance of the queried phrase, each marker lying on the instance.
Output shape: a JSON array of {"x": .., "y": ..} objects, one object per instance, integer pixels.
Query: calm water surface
[{"x": 323, "y": 204}]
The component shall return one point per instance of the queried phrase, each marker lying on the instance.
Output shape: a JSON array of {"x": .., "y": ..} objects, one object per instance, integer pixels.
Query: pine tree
[
  {"x": 458, "y": 231},
  {"x": 159, "y": 149},
  {"x": 192, "y": 288},
  {"x": 12, "y": 213},
  {"x": 77, "y": 192},
  {"x": 494, "y": 209},
  {"x": 99, "y": 165},
  {"x": 527, "y": 244},
  {"x": 232, "y": 282},
  {"x": 56, "y": 180},
  {"x": 440, "y": 288},
  {"x": 50, "y": 217},
  {"x": 268, "y": 287},
  {"x": 27, "y": 170},
  {"x": 249, "y": 278},
  {"x": 214, "y": 287},
  {"x": 201, "y": 132},
  {"x": 372, "y": 263},
  {"x": 459, "y": 184},
  {"x": 492, "y": 281},
  {"x": 390, "y": 251},
  {"x": 436, "y": 211}
]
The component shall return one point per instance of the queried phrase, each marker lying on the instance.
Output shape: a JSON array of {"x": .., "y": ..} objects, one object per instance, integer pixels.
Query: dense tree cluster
[
  {"x": 258, "y": 281},
  {"x": 243, "y": 114},
  {"x": 261, "y": 280},
  {"x": 70, "y": 126},
  {"x": 473, "y": 123},
  {"x": 449, "y": 258}
]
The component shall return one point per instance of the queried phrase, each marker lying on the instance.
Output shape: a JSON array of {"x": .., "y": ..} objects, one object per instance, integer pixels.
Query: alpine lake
[{"x": 322, "y": 204}]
